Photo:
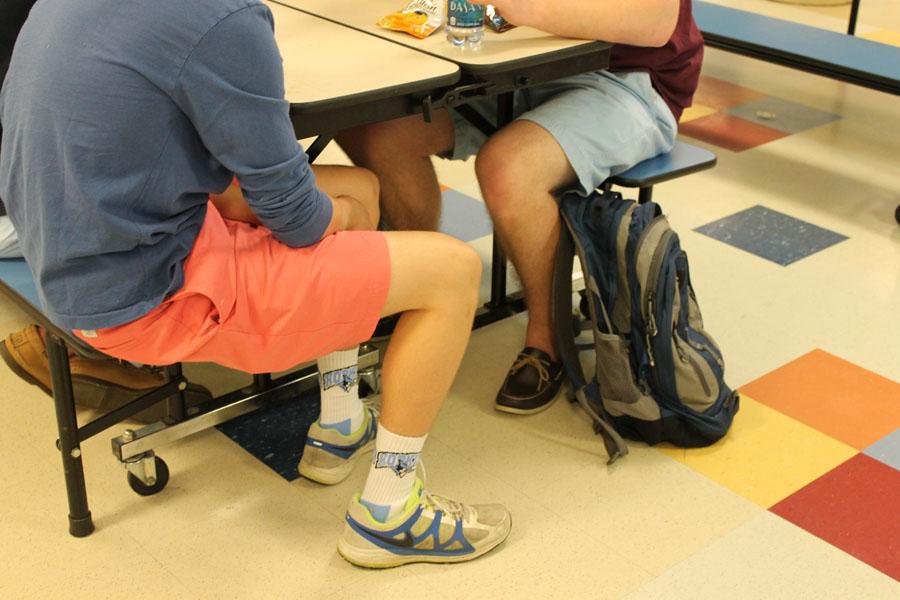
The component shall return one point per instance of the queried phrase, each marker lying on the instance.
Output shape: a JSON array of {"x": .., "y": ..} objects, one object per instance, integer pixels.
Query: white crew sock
[
  {"x": 339, "y": 387},
  {"x": 392, "y": 474}
]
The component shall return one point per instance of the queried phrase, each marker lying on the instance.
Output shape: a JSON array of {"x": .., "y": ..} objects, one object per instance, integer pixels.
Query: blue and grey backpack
[{"x": 659, "y": 377}]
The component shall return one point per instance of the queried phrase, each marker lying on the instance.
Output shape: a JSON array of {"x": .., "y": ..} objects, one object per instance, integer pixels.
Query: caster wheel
[{"x": 162, "y": 478}]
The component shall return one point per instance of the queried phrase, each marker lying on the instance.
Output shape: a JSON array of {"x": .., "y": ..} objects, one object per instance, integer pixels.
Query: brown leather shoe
[
  {"x": 99, "y": 384},
  {"x": 532, "y": 383}
]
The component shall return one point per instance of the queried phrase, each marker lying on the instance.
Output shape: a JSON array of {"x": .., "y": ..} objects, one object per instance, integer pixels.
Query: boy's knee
[
  {"x": 396, "y": 139},
  {"x": 371, "y": 185},
  {"x": 464, "y": 264},
  {"x": 471, "y": 262},
  {"x": 489, "y": 162},
  {"x": 373, "y": 201},
  {"x": 501, "y": 173},
  {"x": 370, "y": 139}
]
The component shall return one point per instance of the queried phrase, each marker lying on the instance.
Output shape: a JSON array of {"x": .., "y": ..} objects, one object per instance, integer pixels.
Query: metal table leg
[
  {"x": 854, "y": 13},
  {"x": 80, "y": 523}
]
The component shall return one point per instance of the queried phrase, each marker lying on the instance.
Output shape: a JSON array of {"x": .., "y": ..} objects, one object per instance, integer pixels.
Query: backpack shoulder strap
[{"x": 561, "y": 299}]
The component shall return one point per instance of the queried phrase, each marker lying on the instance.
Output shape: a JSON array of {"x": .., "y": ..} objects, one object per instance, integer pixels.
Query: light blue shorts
[{"x": 605, "y": 122}]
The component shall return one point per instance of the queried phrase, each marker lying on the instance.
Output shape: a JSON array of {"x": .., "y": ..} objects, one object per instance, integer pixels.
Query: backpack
[{"x": 659, "y": 376}]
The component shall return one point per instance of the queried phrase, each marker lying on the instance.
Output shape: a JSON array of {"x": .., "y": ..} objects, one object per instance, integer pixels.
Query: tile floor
[{"x": 799, "y": 501}]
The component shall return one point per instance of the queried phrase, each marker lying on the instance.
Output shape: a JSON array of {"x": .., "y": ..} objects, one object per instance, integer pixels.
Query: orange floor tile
[{"x": 836, "y": 397}]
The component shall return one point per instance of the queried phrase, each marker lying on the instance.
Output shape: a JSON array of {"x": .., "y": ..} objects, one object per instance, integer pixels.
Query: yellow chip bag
[{"x": 420, "y": 18}]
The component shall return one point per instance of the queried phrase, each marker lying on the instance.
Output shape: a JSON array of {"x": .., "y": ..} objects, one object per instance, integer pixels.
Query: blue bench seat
[
  {"x": 682, "y": 160},
  {"x": 15, "y": 274},
  {"x": 828, "y": 53},
  {"x": 17, "y": 283}
]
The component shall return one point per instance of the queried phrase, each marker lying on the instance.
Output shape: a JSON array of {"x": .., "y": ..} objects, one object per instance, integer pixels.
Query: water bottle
[{"x": 465, "y": 23}]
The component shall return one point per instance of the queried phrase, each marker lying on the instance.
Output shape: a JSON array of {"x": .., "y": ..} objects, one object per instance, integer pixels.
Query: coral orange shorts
[{"x": 251, "y": 303}]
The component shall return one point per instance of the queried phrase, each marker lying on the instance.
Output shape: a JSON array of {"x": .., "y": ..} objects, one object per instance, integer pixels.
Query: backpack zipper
[
  {"x": 650, "y": 330},
  {"x": 709, "y": 349},
  {"x": 650, "y": 326}
]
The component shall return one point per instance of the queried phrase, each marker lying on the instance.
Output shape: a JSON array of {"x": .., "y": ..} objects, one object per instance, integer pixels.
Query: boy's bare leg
[
  {"x": 399, "y": 153},
  {"x": 434, "y": 283},
  {"x": 518, "y": 170}
]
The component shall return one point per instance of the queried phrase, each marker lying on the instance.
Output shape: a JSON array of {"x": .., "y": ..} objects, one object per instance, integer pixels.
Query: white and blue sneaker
[
  {"x": 330, "y": 454},
  {"x": 430, "y": 529}
]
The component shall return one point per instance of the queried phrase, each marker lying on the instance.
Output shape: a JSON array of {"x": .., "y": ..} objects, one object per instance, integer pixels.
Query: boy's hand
[
  {"x": 232, "y": 205},
  {"x": 349, "y": 214},
  {"x": 517, "y": 12},
  {"x": 636, "y": 22}
]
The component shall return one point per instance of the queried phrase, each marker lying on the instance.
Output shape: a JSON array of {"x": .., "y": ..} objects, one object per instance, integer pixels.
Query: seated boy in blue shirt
[{"x": 121, "y": 118}]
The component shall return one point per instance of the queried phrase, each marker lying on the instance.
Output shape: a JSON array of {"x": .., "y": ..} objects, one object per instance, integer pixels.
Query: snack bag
[
  {"x": 420, "y": 18},
  {"x": 495, "y": 20}
]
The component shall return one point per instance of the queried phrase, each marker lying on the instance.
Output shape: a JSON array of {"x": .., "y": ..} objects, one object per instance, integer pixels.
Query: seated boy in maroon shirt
[{"x": 573, "y": 132}]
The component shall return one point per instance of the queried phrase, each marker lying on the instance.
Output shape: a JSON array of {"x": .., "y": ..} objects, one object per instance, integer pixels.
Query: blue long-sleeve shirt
[{"x": 119, "y": 118}]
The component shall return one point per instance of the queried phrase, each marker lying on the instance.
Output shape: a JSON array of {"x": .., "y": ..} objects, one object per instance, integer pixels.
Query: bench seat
[
  {"x": 683, "y": 159},
  {"x": 828, "y": 53}
]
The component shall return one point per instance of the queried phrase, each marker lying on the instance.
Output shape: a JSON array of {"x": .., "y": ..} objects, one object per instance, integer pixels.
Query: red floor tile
[
  {"x": 835, "y": 396},
  {"x": 855, "y": 507},
  {"x": 730, "y": 132}
]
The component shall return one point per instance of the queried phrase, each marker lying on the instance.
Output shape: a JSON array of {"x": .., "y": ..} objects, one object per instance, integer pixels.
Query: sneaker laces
[
  {"x": 457, "y": 510},
  {"x": 525, "y": 360}
]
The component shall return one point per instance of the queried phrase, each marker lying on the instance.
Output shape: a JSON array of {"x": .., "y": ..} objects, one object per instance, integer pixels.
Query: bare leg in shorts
[
  {"x": 434, "y": 283},
  {"x": 517, "y": 169}
]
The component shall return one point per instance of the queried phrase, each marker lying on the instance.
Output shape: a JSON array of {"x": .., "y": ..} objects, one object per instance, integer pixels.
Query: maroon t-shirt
[{"x": 674, "y": 68}]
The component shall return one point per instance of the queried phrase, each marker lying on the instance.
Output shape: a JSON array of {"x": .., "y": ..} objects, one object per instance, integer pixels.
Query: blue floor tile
[
  {"x": 464, "y": 217},
  {"x": 783, "y": 115},
  {"x": 771, "y": 235},
  {"x": 276, "y": 433},
  {"x": 887, "y": 450}
]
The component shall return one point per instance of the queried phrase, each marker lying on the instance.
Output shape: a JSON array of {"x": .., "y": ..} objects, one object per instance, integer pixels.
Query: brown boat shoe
[{"x": 97, "y": 383}]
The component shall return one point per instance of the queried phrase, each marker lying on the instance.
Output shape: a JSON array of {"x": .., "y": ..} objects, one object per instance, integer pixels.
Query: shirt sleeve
[{"x": 232, "y": 89}]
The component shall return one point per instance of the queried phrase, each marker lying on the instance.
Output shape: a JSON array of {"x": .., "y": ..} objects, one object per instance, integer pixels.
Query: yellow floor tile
[
  {"x": 766, "y": 456},
  {"x": 696, "y": 111},
  {"x": 885, "y": 36}
]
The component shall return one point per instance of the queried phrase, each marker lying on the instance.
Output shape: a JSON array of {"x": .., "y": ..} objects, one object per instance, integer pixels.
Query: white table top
[
  {"x": 512, "y": 46},
  {"x": 325, "y": 62}
]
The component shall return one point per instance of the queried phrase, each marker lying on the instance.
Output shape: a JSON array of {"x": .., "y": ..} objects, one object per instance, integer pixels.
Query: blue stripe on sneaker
[
  {"x": 343, "y": 427},
  {"x": 346, "y": 452},
  {"x": 406, "y": 545}
]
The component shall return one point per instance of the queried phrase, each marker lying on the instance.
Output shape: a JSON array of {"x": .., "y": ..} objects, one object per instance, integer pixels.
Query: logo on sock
[
  {"x": 346, "y": 378},
  {"x": 401, "y": 464}
]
